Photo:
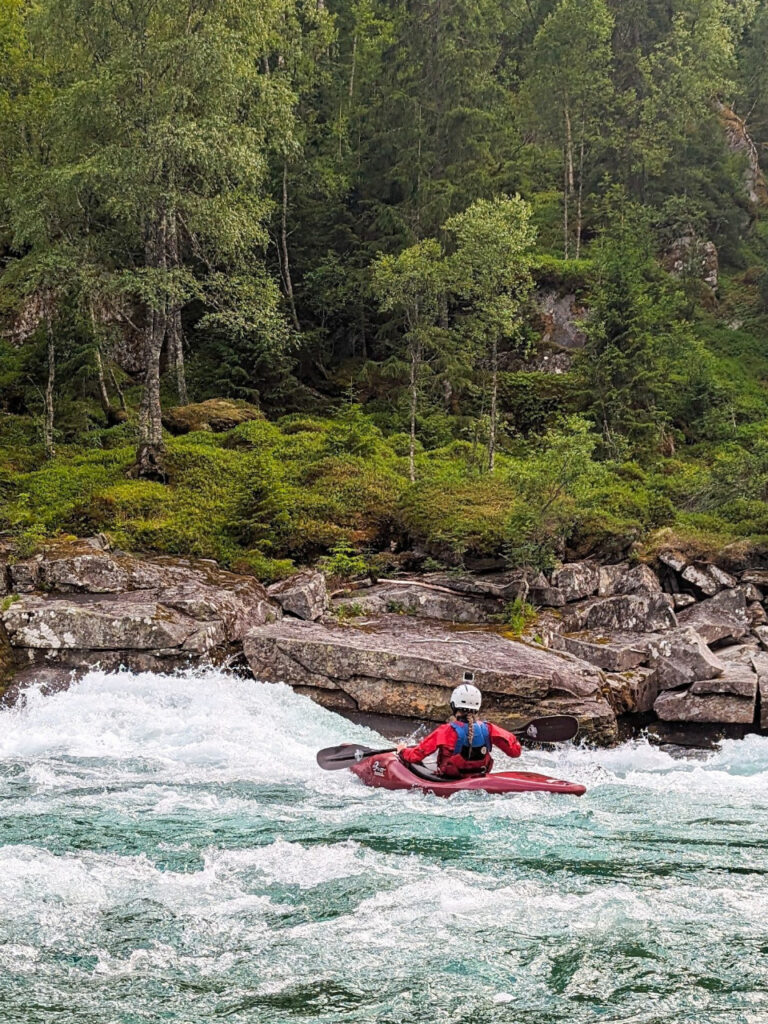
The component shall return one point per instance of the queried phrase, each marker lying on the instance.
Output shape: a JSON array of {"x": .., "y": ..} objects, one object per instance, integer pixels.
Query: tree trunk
[
  {"x": 149, "y": 458},
  {"x": 414, "y": 388},
  {"x": 119, "y": 390},
  {"x": 568, "y": 178},
  {"x": 112, "y": 415},
  {"x": 494, "y": 400},
  {"x": 284, "y": 244},
  {"x": 174, "y": 327},
  {"x": 353, "y": 68},
  {"x": 580, "y": 192},
  {"x": 48, "y": 422}
]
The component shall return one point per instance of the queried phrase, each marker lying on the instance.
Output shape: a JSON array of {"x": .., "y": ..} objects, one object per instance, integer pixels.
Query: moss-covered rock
[{"x": 216, "y": 414}]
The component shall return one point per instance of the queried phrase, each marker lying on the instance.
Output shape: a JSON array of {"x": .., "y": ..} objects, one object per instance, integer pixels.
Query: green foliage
[
  {"x": 350, "y": 610},
  {"x": 517, "y": 616},
  {"x": 343, "y": 563},
  {"x": 8, "y": 601},
  {"x": 318, "y": 196}
]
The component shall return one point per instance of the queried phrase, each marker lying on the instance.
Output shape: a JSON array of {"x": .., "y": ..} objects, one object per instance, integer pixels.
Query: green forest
[{"x": 295, "y": 280}]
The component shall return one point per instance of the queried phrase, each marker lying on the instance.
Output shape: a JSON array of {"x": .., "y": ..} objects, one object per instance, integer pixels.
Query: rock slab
[
  {"x": 304, "y": 595},
  {"x": 402, "y": 667},
  {"x": 723, "y": 617}
]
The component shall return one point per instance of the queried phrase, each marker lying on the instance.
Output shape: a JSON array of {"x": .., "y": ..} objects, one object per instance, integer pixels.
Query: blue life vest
[{"x": 481, "y": 740}]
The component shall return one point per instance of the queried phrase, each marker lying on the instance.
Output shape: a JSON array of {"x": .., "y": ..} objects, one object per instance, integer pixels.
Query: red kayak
[{"x": 389, "y": 772}]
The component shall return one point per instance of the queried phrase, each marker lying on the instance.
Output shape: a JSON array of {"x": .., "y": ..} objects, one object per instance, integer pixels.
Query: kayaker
[{"x": 464, "y": 743}]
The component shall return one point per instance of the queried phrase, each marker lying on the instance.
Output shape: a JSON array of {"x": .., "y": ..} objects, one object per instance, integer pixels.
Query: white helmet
[{"x": 466, "y": 697}]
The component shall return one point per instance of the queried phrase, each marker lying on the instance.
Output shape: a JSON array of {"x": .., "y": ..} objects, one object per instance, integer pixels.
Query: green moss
[{"x": 265, "y": 497}]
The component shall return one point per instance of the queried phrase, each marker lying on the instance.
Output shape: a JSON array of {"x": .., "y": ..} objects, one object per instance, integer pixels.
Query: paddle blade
[
  {"x": 552, "y": 729},
  {"x": 346, "y": 754}
]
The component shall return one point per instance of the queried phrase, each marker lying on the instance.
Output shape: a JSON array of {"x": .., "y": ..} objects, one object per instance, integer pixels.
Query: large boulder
[
  {"x": 614, "y": 652},
  {"x": 502, "y": 586},
  {"x": 626, "y": 613},
  {"x": 576, "y": 580},
  {"x": 721, "y": 617},
  {"x": 216, "y": 414},
  {"x": 425, "y": 602},
  {"x": 620, "y": 579},
  {"x": 738, "y": 680},
  {"x": 680, "y": 657},
  {"x": 304, "y": 595},
  {"x": 683, "y": 706},
  {"x": 400, "y": 666},
  {"x": 709, "y": 579},
  {"x": 127, "y": 622}
]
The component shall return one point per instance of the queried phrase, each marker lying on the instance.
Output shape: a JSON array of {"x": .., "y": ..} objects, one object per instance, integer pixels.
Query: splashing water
[{"x": 169, "y": 851}]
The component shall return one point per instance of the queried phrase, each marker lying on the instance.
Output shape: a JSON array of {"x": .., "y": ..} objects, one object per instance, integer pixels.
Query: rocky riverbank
[{"x": 683, "y": 643}]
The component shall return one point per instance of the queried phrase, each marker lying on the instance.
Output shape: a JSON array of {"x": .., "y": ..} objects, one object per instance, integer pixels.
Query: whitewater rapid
[{"x": 169, "y": 851}]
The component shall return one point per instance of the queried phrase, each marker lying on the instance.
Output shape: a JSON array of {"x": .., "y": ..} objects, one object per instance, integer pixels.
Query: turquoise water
[{"x": 169, "y": 852}]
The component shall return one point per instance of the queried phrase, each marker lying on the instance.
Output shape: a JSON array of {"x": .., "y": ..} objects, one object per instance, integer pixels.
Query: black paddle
[{"x": 552, "y": 729}]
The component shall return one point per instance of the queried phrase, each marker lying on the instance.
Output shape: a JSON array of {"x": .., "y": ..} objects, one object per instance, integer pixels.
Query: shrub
[{"x": 343, "y": 563}]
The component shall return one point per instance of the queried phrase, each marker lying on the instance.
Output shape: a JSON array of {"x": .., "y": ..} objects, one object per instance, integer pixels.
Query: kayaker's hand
[{"x": 401, "y": 746}]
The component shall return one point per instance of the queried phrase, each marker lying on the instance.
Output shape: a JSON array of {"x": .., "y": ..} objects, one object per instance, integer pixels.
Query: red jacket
[{"x": 443, "y": 740}]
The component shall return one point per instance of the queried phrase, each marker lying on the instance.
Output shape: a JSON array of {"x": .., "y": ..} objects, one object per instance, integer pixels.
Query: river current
[{"x": 170, "y": 852}]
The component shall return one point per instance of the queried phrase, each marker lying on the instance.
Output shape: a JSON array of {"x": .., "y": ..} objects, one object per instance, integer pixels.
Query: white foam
[{"x": 372, "y": 890}]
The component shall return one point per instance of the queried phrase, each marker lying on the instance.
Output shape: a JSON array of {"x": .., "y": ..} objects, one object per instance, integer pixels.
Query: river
[{"x": 170, "y": 852}]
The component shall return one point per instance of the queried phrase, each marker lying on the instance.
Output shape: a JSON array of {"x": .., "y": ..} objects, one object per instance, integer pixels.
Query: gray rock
[
  {"x": 738, "y": 680},
  {"x": 504, "y": 586},
  {"x": 304, "y": 595},
  {"x": 546, "y": 597},
  {"x": 608, "y": 576},
  {"x": 739, "y": 654},
  {"x": 406, "y": 667},
  {"x": 117, "y": 608},
  {"x": 707, "y": 578},
  {"x": 632, "y": 692},
  {"x": 123, "y": 622},
  {"x": 759, "y": 577},
  {"x": 683, "y": 601},
  {"x": 683, "y": 706},
  {"x": 761, "y": 635},
  {"x": 423, "y": 602},
  {"x": 576, "y": 580},
  {"x": 673, "y": 560},
  {"x": 756, "y": 614},
  {"x": 90, "y": 573},
  {"x": 562, "y": 318},
  {"x": 760, "y": 665},
  {"x": 633, "y": 613},
  {"x": 24, "y": 576},
  {"x": 641, "y": 579},
  {"x": 680, "y": 657},
  {"x": 751, "y": 592},
  {"x": 719, "y": 618},
  {"x": 614, "y": 652}
]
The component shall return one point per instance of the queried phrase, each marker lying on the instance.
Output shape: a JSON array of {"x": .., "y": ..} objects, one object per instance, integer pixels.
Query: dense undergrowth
[{"x": 264, "y": 496}]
